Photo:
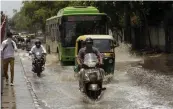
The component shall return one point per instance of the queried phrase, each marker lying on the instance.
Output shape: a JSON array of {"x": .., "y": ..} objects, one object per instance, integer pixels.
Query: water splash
[
  {"x": 123, "y": 54},
  {"x": 51, "y": 59}
]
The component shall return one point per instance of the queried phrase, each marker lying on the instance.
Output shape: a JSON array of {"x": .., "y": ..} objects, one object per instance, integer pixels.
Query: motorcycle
[
  {"x": 23, "y": 45},
  {"x": 38, "y": 63},
  {"x": 19, "y": 45},
  {"x": 28, "y": 46},
  {"x": 91, "y": 77}
]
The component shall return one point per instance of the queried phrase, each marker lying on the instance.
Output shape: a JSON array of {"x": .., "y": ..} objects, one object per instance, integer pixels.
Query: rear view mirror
[
  {"x": 108, "y": 19},
  {"x": 115, "y": 44}
]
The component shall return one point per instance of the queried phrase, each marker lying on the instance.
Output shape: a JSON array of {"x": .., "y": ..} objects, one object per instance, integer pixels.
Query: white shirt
[
  {"x": 9, "y": 50},
  {"x": 41, "y": 50}
]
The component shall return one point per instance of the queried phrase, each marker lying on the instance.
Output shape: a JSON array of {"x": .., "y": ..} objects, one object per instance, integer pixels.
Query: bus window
[
  {"x": 49, "y": 33},
  {"x": 52, "y": 34},
  {"x": 58, "y": 34},
  {"x": 48, "y": 28},
  {"x": 75, "y": 29},
  {"x": 70, "y": 34}
]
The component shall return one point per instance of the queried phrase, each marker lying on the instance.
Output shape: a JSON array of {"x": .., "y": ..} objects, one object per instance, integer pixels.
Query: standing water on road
[{"x": 133, "y": 86}]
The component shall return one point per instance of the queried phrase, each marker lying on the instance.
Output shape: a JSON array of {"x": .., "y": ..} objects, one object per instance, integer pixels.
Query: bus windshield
[
  {"x": 74, "y": 29},
  {"x": 103, "y": 45}
]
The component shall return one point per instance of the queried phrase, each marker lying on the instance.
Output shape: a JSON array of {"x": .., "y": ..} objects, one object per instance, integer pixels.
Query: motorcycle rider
[
  {"x": 28, "y": 39},
  {"x": 80, "y": 58},
  {"x": 28, "y": 42},
  {"x": 38, "y": 47}
]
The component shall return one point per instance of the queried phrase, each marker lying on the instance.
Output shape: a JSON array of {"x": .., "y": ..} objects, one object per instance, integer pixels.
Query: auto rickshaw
[{"x": 105, "y": 44}]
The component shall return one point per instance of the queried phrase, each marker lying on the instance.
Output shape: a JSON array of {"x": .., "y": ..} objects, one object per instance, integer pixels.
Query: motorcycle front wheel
[
  {"x": 93, "y": 94},
  {"x": 38, "y": 74},
  {"x": 38, "y": 70}
]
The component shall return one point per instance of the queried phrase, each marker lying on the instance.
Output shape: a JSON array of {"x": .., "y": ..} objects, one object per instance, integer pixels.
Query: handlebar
[
  {"x": 97, "y": 65},
  {"x": 35, "y": 54}
]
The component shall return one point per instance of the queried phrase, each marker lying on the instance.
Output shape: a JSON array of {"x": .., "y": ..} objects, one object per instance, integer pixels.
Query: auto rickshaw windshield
[{"x": 103, "y": 45}]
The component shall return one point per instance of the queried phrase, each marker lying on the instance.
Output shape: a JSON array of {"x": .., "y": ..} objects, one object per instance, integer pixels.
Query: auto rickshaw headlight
[{"x": 110, "y": 61}]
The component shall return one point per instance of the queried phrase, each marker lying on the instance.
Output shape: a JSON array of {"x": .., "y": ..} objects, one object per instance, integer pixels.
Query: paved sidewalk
[
  {"x": 17, "y": 96},
  {"x": 8, "y": 97}
]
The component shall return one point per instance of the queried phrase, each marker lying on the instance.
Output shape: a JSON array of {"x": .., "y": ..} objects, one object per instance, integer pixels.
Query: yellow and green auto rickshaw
[{"x": 105, "y": 44}]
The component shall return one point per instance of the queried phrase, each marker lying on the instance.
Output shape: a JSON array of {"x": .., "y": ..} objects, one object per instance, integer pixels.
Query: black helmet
[
  {"x": 89, "y": 41},
  {"x": 37, "y": 42}
]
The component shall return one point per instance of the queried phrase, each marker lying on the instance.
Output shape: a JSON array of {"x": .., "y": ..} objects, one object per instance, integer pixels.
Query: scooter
[{"x": 38, "y": 63}]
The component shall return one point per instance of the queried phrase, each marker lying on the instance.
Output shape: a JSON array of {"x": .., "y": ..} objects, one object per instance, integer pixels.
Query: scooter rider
[
  {"x": 38, "y": 48},
  {"x": 87, "y": 49},
  {"x": 28, "y": 39}
]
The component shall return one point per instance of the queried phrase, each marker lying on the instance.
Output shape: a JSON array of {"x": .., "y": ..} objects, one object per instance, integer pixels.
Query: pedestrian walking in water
[{"x": 8, "y": 48}]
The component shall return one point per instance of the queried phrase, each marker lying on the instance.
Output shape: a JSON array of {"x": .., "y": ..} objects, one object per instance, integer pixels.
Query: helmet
[
  {"x": 37, "y": 43},
  {"x": 89, "y": 41}
]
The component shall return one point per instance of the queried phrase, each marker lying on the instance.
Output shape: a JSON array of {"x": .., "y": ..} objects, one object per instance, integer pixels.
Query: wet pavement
[
  {"x": 8, "y": 97},
  {"x": 162, "y": 63},
  {"x": 138, "y": 83},
  {"x": 17, "y": 96}
]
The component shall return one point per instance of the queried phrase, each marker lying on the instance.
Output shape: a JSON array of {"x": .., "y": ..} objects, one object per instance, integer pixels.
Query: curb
[{"x": 30, "y": 88}]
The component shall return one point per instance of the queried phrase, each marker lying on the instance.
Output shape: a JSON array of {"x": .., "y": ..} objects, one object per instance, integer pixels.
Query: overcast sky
[{"x": 7, "y": 6}]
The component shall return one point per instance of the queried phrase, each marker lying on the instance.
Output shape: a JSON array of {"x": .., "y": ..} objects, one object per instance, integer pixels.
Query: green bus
[{"x": 63, "y": 29}]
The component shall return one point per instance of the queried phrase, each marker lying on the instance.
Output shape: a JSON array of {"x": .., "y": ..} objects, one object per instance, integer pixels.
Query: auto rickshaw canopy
[{"x": 83, "y": 38}]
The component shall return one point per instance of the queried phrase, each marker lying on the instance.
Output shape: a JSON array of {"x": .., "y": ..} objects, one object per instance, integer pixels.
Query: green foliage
[
  {"x": 33, "y": 14},
  {"x": 19, "y": 22}
]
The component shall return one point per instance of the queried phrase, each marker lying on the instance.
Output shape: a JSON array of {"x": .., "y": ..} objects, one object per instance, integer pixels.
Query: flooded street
[{"x": 138, "y": 83}]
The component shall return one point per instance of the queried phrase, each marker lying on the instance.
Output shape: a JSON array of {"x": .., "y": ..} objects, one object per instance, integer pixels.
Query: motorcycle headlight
[
  {"x": 110, "y": 61},
  {"x": 90, "y": 64}
]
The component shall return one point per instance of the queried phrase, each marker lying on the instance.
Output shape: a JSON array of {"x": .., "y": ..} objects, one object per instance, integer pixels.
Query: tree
[
  {"x": 14, "y": 11},
  {"x": 124, "y": 15}
]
